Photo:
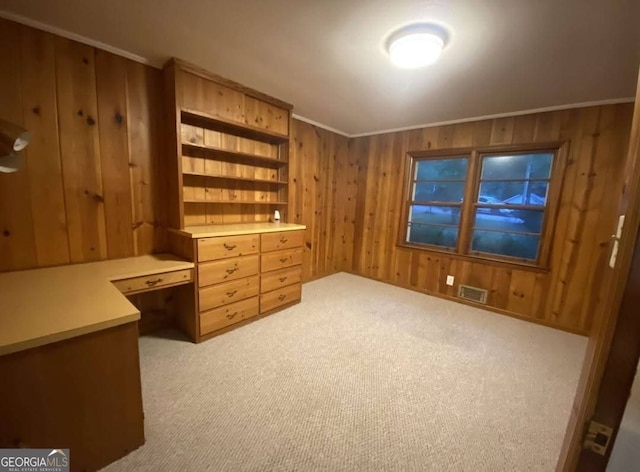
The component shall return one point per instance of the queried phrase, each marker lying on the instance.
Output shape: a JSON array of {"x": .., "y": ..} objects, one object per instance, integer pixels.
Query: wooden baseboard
[
  {"x": 475, "y": 305},
  {"x": 320, "y": 276}
]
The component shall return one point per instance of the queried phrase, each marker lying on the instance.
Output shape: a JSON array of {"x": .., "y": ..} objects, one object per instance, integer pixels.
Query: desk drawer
[
  {"x": 210, "y": 249},
  {"x": 281, "y": 259},
  {"x": 280, "y": 278},
  {"x": 228, "y": 292},
  {"x": 227, "y": 315},
  {"x": 153, "y": 282},
  {"x": 225, "y": 270},
  {"x": 284, "y": 296},
  {"x": 281, "y": 240}
]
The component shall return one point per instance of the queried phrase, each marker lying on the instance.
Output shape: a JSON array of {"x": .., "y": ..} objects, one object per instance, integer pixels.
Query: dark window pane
[
  {"x": 505, "y": 219},
  {"x": 435, "y": 214},
  {"x": 506, "y": 244},
  {"x": 521, "y": 166},
  {"x": 522, "y": 192},
  {"x": 446, "y": 236},
  {"x": 442, "y": 169},
  {"x": 439, "y": 191}
]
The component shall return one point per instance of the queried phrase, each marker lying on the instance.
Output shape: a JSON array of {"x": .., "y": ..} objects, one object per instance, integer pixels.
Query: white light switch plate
[
  {"x": 614, "y": 254},
  {"x": 450, "y": 280},
  {"x": 620, "y": 226}
]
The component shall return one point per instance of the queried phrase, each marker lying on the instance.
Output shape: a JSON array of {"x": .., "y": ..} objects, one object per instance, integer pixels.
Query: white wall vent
[{"x": 473, "y": 294}]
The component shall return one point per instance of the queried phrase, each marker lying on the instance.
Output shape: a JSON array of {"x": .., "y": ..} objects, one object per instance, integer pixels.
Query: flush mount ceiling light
[{"x": 416, "y": 45}]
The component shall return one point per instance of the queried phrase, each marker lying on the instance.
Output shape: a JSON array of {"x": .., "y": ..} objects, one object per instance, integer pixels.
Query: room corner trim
[{"x": 77, "y": 37}]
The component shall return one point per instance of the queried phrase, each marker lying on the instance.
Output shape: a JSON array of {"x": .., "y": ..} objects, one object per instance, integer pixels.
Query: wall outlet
[{"x": 450, "y": 280}]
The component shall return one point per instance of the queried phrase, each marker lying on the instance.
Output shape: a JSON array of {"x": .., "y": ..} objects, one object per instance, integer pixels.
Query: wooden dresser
[{"x": 243, "y": 271}]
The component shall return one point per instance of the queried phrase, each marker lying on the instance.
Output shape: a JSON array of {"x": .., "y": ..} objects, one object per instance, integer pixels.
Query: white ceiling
[{"x": 326, "y": 56}]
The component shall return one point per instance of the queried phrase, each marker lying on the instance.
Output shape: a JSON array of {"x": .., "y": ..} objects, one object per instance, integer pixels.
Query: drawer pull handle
[
  {"x": 231, "y": 271},
  {"x": 231, "y": 294},
  {"x": 282, "y": 279},
  {"x": 282, "y": 297},
  {"x": 283, "y": 240},
  {"x": 284, "y": 259},
  {"x": 232, "y": 315},
  {"x": 229, "y": 247},
  {"x": 151, "y": 283}
]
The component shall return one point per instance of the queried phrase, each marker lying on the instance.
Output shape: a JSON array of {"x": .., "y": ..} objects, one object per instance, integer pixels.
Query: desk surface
[
  {"x": 42, "y": 306},
  {"x": 236, "y": 229}
]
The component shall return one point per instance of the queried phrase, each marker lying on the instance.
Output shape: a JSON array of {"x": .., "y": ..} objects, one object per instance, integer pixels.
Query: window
[
  {"x": 493, "y": 204},
  {"x": 435, "y": 207}
]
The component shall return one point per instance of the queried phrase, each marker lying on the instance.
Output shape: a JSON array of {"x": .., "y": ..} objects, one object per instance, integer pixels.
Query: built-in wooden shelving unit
[
  {"x": 231, "y": 158},
  {"x": 229, "y": 169}
]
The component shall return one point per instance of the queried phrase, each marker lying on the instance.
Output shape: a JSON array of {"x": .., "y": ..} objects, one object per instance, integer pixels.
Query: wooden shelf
[
  {"x": 227, "y": 130},
  {"x": 244, "y": 130},
  {"x": 241, "y": 179},
  {"x": 233, "y": 202},
  {"x": 233, "y": 155}
]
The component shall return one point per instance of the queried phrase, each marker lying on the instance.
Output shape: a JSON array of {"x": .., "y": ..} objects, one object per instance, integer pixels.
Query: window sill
[{"x": 477, "y": 259}]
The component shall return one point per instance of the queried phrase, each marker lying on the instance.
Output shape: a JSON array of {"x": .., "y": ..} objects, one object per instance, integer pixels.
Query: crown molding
[
  {"x": 531, "y": 111},
  {"x": 77, "y": 37}
]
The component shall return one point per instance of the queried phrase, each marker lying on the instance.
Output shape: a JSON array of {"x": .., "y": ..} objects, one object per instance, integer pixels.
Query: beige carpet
[{"x": 361, "y": 376}]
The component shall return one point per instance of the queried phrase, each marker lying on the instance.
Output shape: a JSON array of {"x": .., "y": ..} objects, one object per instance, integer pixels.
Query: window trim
[{"x": 471, "y": 189}]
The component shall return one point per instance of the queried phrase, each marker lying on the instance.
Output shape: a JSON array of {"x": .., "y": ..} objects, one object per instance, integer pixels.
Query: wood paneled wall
[
  {"x": 322, "y": 195},
  {"x": 561, "y": 297},
  {"x": 92, "y": 187},
  {"x": 89, "y": 189}
]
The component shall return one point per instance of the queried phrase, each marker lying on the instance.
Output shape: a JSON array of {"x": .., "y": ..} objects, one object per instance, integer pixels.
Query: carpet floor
[{"x": 361, "y": 376}]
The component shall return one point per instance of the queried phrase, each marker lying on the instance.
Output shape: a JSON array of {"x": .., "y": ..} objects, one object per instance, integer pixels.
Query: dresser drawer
[
  {"x": 281, "y": 240},
  {"x": 228, "y": 292},
  {"x": 272, "y": 300},
  {"x": 281, "y": 259},
  {"x": 224, "y": 270},
  {"x": 227, "y": 315},
  {"x": 152, "y": 282},
  {"x": 210, "y": 249},
  {"x": 280, "y": 278}
]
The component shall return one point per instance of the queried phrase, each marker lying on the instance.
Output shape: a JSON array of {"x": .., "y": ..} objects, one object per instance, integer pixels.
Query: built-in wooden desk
[
  {"x": 42, "y": 306},
  {"x": 69, "y": 363}
]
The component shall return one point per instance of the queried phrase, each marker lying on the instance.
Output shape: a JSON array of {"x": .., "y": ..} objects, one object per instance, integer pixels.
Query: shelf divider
[
  {"x": 241, "y": 179},
  {"x": 243, "y": 130},
  {"x": 233, "y": 155},
  {"x": 233, "y": 202}
]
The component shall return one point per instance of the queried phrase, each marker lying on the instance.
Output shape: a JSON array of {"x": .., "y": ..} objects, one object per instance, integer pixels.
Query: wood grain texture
[
  {"x": 17, "y": 243},
  {"x": 83, "y": 392},
  {"x": 347, "y": 192},
  {"x": 322, "y": 196},
  {"x": 230, "y": 163},
  {"x": 90, "y": 188},
  {"x": 80, "y": 150},
  {"x": 44, "y": 168},
  {"x": 148, "y": 176},
  {"x": 111, "y": 73},
  {"x": 561, "y": 297},
  {"x": 607, "y": 298}
]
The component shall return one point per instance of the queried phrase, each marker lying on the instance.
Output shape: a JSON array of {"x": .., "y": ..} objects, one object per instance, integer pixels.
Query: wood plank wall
[
  {"x": 322, "y": 195},
  {"x": 89, "y": 190},
  {"x": 91, "y": 187},
  {"x": 561, "y": 298}
]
